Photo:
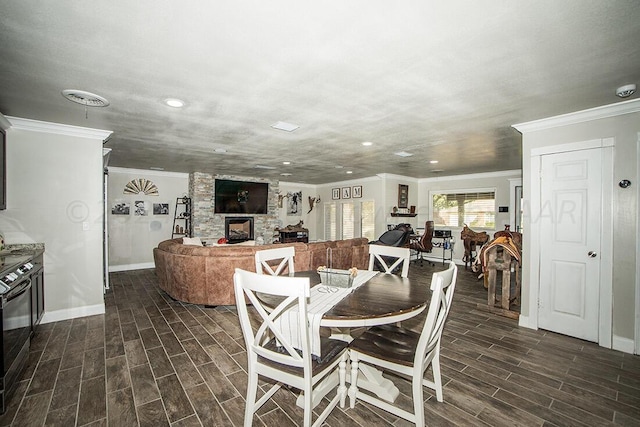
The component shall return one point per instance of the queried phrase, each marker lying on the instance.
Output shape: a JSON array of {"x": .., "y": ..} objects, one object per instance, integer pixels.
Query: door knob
[{"x": 592, "y": 254}]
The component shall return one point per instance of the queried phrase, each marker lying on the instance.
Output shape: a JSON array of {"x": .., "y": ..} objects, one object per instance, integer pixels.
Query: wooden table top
[{"x": 386, "y": 298}]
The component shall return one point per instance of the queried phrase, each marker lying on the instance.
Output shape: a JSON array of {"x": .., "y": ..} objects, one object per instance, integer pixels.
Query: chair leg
[
  {"x": 308, "y": 406},
  {"x": 353, "y": 389},
  {"x": 418, "y": 400},
  {"x": 437, "y": 379},
  {"x": 252, "y": 389},
  {"x": 342, "y": 373}
]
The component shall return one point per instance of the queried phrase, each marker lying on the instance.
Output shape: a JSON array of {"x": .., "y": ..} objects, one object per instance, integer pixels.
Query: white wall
[
  {"x": 371, "y": 191},
  {"x": 309, "y": 218},
  {"x": 54, "y": 196},
  {"x": 133, "y": 237}
]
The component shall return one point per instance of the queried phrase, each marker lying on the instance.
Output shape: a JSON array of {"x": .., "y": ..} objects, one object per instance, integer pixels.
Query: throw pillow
[{"x": 191, "y": 241}]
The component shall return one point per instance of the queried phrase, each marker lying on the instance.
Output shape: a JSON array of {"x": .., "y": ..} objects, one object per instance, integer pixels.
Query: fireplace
[{"x": 238, "y": 228}]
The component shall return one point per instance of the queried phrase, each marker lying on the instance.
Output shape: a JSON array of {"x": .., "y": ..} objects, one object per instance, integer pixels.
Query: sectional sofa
[{"x": 204, "y": 275}]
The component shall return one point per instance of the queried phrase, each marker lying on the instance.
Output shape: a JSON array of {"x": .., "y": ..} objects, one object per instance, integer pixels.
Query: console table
[{"x": 291, "y": 236}]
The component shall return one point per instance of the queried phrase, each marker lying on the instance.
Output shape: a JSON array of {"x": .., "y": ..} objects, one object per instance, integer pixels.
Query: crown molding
[
  {"x": 484, "y": 175},
  {"x": 398, "y": 177},
  {"x": 148, "y": 172},
  {"x": 4, "y": 123},
  {"x": 59, "y": 129},
  {"x": 611, "y": 110}
]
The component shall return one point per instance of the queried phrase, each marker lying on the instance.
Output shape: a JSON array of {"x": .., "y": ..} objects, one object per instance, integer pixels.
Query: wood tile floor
[{"x": 152, "y": 361}]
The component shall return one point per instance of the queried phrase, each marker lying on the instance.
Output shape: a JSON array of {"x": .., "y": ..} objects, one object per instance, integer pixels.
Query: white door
[{"x": 570, "y": 230}]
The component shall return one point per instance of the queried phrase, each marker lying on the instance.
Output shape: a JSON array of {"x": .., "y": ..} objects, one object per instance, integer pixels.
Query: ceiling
[{"x": 442, "y": 81}]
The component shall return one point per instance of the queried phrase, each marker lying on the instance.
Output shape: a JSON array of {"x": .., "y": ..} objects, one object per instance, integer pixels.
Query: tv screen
[{"x": 240, "y": 197}]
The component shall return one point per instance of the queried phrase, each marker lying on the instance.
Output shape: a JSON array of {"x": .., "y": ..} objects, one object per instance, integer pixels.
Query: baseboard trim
[
  {"x": 128, "y": 267},
  {"x": 625, "y": 345},
  {"x": 527, "y": 322},
  {"x": 72, "y": 313}
]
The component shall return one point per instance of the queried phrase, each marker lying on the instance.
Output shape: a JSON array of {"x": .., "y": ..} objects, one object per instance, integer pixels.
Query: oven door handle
[{"x": 16, "y": 292}]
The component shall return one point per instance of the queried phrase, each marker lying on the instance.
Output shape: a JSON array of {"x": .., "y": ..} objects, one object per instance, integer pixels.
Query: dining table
[{"x": 382, "y": 299}]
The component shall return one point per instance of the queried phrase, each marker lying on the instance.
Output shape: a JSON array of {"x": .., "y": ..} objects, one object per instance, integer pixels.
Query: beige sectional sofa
[{"x": 204, "y": 275}]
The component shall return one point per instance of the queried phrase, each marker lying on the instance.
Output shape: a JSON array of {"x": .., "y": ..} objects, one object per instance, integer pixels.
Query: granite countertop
[{"x": 22, "y": 249}]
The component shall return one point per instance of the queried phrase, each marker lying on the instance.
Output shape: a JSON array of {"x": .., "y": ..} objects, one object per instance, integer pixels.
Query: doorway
[
  {"x": 571, "y": 287},
  {"x": 570, "y": 250}
]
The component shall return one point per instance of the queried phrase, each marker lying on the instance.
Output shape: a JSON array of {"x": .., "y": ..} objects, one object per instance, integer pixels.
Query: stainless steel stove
[{"x": 16, "y": 315}]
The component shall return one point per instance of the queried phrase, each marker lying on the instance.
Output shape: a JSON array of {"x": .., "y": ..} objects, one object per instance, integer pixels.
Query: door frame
[
  {"x": 605, "y": 315},
  {"x": 637, "y": 310},
  {"x": 513, "y": 183}
]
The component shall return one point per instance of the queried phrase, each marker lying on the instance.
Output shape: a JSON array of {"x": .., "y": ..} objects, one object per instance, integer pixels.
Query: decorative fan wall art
[{"x": 141, "y": 185}]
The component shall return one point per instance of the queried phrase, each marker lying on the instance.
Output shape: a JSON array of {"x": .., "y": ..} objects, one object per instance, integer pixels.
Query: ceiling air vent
[{"x": 85, "y": 98}]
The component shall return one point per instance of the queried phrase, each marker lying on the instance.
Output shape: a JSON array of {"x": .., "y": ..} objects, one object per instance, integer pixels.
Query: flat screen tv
[{"x": 240, "y": 197}]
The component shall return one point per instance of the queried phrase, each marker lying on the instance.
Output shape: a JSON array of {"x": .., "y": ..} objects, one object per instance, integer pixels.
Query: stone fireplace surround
[{"x": 211, "y": 226}]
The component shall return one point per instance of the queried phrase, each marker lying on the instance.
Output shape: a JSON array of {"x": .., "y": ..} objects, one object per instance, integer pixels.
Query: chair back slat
[
  {"x": 443, "y": 284},
  {"x": 394, "y": 257},
  {"x": 264, "y": 260}
]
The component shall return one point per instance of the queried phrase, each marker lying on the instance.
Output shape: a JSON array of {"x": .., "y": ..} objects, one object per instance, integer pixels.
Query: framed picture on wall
[
  {"x": 356, "y": 191},
  {"x": 403, "y": 196},
  {"x": 335, "y": 194},
  {"x": 346, "y": 192},
  {"x": 161, "y": 208},
  {"x": 120, "y": 208}
]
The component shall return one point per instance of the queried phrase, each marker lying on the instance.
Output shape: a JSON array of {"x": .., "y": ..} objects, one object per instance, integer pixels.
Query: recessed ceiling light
[
  {"x": 285, "y": 126},
  {"x": 403, "y": 154},
  {"x": 285, "y": 174},
  {"x": 349, "y": 171},
  {"x": 286, "y": 163},
  {"x": 367, "y": 144},
  {"x": 338, "y": 167},
  {"x": 155, "y": 168},
  {"x": 433, "y": 162},
  {"x": 220, "y": 150},
  {"x": 174, "y": 102},
  {"x": 437, "y": 171}
]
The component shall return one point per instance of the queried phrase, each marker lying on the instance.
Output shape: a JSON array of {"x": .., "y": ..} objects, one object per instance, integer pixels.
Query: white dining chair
[
  {"x": 406, "y": 352},
  {"x": 389, "y": 258},
  {"x": 270, "y": 352},
  {"x": 265, "y": 260}
]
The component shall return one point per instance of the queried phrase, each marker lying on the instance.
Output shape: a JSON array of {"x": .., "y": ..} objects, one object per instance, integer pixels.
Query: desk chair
[
  {"x": 389, "y": 258},
  {"x": 284, "y": 254},
  {"x": 284, "y": 364},
  {"x": 424, "y": 244},
  {"x": 406, "y": 352}
]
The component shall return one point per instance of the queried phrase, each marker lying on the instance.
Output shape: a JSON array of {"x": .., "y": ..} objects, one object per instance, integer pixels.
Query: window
[
  {"x": 368, "y": 220},
  {"x": 330, "y": 224},
  {"x": 347, "y": 220},
  {"x": 476, "y": 209}
]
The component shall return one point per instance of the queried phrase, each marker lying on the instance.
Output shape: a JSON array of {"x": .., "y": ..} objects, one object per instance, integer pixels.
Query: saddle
[{"x": 471, "y": 239}]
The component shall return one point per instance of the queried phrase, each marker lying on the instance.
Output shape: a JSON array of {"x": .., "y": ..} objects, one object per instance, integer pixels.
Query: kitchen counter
[{"x": 16, "y": 254}]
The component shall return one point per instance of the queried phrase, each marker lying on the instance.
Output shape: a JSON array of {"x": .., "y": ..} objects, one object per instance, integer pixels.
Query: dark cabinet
[
  {"x": 294, "y": 236},
  {"x": 37, "y": 291}
]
